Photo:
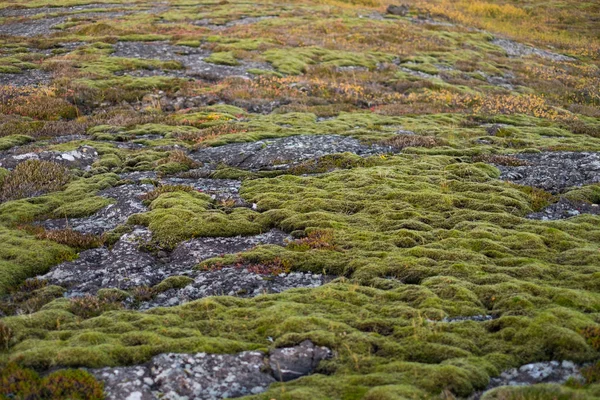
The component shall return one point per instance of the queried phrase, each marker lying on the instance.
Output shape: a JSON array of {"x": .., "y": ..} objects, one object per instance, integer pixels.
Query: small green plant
[
  {"x": 6, "y": 335},
  {"x": 154, "y": 194}
]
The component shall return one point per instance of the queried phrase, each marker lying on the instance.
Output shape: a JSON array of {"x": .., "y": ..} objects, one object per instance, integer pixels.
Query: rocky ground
[{"x": 317, "y": 200}]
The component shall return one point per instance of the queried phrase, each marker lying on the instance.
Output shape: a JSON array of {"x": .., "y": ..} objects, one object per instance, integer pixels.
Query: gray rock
[
  {"x": 127, "y": 202},
  {"x": 554, "y": 171},
  {"x": 81, "y": 158},
  {"x": 30, "y": 77},
  {"x": 281, "y": 154},
  {"x": 531, "y": 374},
  {"x": 191, "y": 58},
  {"x": 514, "y": 49},
  {"x": 565, "y": 208},
  {"x": 542, "y": 372},
  {"x": 400, "y": 10},
  {"x": 126, "y": 266},
  {"x": 293, "y": 362},
  {"x": 231, "y": 281},
  {"x": 205, "y": 376}
]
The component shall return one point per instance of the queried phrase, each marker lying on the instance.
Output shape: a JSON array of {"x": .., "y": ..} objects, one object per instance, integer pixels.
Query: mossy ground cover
[{"x": 411, "y": 238}]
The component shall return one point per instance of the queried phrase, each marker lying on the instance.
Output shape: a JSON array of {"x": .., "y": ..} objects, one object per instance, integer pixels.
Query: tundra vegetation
[{"x": 434, "y": 226}]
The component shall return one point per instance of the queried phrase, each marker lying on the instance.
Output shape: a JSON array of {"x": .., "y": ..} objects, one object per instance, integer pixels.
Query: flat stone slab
[
  {"x": 515, "y": 49},
  {"x": 205, "y": 376},
  {"x": 238, "y": 282},
  {"x": 82, "y": 158},
  {"x": 30, "y": 77},
  {"x": 554, "y": 171},
  {"x": 532, "y": 374},
  {"x": 281, "y": 154},
  {"x": 565, "y": 208},
  {"x": 126, "y": 266},
  {"x": 127, "y": 202},
  {"x": 191, "y": 58}
]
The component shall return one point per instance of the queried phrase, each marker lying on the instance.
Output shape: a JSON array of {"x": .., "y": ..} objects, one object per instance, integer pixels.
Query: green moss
[
  {"x": 173, "y": 282},
  {"x": 7, "y": 142},
  {"x": 76, "y": 200},
  {"x": 23, "y": 256},
  {"x": 223, "y": 58},
  {"x": 177, "y": 216},
  {"x": 296, "y": 61}
]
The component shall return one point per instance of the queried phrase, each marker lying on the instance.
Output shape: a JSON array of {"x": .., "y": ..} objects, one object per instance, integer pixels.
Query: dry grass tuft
[{"x": 33, "y": 178}]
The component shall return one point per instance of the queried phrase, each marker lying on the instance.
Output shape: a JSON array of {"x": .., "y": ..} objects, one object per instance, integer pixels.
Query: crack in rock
[{"x": 203, "y": 376}]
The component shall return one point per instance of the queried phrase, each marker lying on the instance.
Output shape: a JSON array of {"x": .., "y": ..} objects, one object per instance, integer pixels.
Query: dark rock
[
  {"x": 532, "y": 374},
  {"x": 205, "y": 376},
  {"x": 293, "y": 362},
  {"x": 281, "y": 154},
  {"x": 81, "y": 158},
  {"x": 126, "y": 266},
  {"x": 127, "y": 202},
  {"x": 30, "y": 77},
  {"x": 514, "y": 49},
  {"x": 554, "y": 171},
  {"x": 239, "y": 282},
  {"x": 493, "y": 129},
  {"x": 191, "y": 58},
  {"x": 565, "y": 208},
  {"x": 400, "y": 10}
]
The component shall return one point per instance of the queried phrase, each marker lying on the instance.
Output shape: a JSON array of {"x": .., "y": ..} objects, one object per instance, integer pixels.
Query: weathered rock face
[
  {"x": 565, "y": 208},
  {"x": 127, "y": 202},
  {"x": 514, "y": 49},
  {"x": 51, "y": 17},
  {"x": 191, "y": 58},
  {"x": 238, "y": 282},
  {"x": 30, "y": 77},
  {"x": 82, "y": 158},
  {"x": 401, "y": 10},
  {"x": 536, "y": 373},
  {"x": 125, "y": 266},
  {"x": 205, "y": 376},
  {"x": 555, "y": 171},
  {"x": 290, "y": 363},
  {"x": 280, "y": 154}
]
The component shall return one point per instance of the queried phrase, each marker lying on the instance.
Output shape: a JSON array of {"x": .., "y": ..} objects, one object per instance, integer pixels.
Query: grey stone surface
[
  {"x": 83, "y": 157},
  {"x": 290, "y": 363},
  {"x": 127, "y": 202},
  {"x": 230, "y": 281},
  {"x": 30, "y": 77},
  {"x": 125, "y": 266},
  {"x": 191, "y": 58},
  {"x": 515, "y": 49},
  {"x": 565, "y": 208},
  {"x": 554, "y": 171},
  {"x": 400, "y": 10},
  {"x": 281, "y": 154},
  {"x": 203, "y": 376}
]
